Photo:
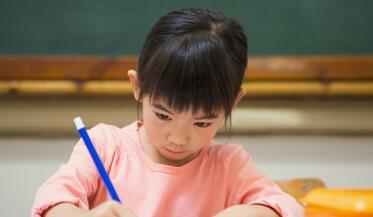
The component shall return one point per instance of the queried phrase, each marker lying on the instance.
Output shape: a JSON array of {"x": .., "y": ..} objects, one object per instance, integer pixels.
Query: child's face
[{"x": 175, "y": 138}]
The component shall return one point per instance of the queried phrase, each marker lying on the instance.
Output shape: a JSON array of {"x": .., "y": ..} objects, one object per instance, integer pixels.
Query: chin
[{"x": 174, "y": 155}]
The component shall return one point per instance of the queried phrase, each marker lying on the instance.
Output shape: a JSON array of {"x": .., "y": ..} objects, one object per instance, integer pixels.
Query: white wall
[{"x": 341, "y": 161}]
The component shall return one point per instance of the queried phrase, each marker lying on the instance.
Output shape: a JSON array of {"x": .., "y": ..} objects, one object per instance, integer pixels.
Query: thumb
[{"x": 122, "y": 211}]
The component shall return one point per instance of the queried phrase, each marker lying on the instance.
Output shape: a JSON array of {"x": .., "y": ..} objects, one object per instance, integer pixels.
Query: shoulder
[
  {"x": 103, "y": 132},
  {"x": 230, "y": 154},
  {"x": 109, "y": 136}
]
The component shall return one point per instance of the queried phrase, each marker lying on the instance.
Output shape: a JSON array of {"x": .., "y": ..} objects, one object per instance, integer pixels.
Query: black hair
[{"x": 193, "y": 59}]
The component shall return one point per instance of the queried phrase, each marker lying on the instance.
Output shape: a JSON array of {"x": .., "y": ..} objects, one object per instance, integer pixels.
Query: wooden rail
[
  {"x": 337, "y": 88},
  {"x": 265, "y": 76}
]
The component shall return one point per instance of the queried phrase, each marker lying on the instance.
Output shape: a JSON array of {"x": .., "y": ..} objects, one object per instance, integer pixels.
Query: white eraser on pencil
[{"x": 78, "y": 123}]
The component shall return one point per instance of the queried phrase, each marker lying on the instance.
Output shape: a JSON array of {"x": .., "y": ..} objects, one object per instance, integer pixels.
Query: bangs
[{"x": 184, "y": 75}]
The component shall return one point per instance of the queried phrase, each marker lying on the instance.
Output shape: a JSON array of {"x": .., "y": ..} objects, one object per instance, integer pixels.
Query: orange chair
[
  {"x": 320, "y": 201},
  {"x": 298, "y": 188}
]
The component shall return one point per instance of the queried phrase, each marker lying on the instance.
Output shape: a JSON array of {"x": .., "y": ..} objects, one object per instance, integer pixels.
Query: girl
[{"x": 188, "y": 81}]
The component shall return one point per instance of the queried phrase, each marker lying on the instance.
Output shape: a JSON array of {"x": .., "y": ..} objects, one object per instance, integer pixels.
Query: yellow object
[{"x": 352, "y": 202}]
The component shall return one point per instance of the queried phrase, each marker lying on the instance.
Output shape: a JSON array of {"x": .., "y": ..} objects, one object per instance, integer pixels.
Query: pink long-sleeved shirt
[{"x": 221, "y": 176}]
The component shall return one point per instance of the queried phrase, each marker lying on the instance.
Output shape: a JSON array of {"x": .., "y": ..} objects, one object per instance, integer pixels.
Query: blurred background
[{"x": 308, "y": 112}]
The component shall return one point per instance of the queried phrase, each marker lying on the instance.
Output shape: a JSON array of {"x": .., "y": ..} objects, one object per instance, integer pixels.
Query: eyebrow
[{"x": 163, "y": 108}]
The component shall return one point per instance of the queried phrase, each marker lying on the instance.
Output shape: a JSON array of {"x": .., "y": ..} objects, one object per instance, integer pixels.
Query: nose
[{"x": 178, "y": 135}]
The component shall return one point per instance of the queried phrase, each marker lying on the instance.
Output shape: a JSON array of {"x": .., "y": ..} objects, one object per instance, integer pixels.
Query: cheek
[
  {"x": 153, "y": 128},
  {"x": 202, "y": 137},
  {"x": 153, "y": 135},
  {"x": 153, "y": 122}
]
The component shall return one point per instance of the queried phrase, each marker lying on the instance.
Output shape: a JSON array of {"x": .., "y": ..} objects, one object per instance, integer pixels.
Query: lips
[{"x": 174, "y": 152}]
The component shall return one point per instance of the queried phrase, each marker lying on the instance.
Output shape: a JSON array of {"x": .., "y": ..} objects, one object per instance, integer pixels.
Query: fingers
[
  {"x": 112, "y": 209},
  {"x": 121, "y": 211}
]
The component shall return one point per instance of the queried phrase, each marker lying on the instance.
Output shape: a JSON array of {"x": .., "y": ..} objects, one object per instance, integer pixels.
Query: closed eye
[
  {"x": 202, "y": 124},
  {"x": 162, "y": 116}
]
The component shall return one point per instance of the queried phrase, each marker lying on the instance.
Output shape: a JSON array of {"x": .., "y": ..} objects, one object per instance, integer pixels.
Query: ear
[
  {"x": 132, "y": 75},
  {"x": 240, "y": 94}
]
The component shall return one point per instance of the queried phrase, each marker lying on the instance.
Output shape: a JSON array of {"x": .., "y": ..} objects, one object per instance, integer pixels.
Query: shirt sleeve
[
  {"x": 74, "y": 182},
  {"x": 248, "y": 186}
]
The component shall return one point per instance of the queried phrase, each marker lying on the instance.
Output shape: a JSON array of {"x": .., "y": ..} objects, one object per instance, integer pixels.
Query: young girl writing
[{"x": 167, "y": 164}]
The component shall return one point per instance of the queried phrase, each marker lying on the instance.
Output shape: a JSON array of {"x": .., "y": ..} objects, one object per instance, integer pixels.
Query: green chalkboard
[{"x": 118, "y": 27}]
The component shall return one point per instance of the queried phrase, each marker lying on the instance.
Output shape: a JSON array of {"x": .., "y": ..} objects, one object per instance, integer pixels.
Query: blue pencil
[{"x": 83, "y": 133}]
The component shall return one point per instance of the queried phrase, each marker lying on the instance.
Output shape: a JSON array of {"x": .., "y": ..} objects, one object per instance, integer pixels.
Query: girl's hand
[
  {"x": 247, "y": 211},
  {"x": 107, "y": 209}
]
